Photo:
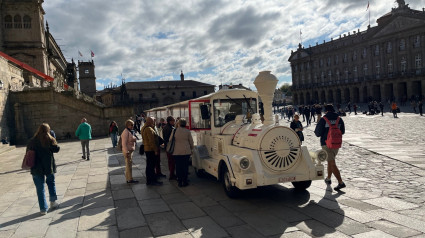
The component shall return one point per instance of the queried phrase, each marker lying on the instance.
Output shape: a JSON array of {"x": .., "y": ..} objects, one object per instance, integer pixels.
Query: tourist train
[{"x": 239, "y": 143}]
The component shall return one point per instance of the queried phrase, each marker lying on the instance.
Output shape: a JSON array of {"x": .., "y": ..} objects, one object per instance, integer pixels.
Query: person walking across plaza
[
  {"x": 128, "y": 140},
  {"x": 394, "y": 109},
  {"x": 297, "y": 126},
  {"x": 44, "y": 169},
  {"x": 83, "y": 133},
  {"x": 307, "y": 115},
  {"x": 166, "y": 132},
  {"x": 113, "y": 132},
  {"x": 381, "y": 107},
  {"x": 182, "y": 151},
  {"x": 330, "y": 143},
  {"x": 150, "y": 143}
]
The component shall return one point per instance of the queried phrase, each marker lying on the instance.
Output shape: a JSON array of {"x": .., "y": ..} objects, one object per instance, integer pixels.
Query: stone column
[
  {"x": 342, "y": 95},
  {"x": 396, "y": 93},
  {"x": 384, "y": 95},
  {"x": 361, "y": 94}
]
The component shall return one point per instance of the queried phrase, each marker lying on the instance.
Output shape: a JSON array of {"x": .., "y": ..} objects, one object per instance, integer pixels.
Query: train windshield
[{"x": 226, "y": 110}]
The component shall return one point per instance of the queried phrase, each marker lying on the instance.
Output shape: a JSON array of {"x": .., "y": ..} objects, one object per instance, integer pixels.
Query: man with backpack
[{"x": 330, "y": 129}]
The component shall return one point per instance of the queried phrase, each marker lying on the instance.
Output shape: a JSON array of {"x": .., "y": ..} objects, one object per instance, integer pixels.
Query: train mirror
[{"x": 205, "y": 112}]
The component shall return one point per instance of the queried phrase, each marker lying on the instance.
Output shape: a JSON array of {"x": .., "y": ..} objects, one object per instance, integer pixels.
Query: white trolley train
[{"x": 239, "y": 147}]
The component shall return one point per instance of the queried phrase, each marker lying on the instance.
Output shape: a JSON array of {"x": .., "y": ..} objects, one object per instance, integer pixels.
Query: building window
[
  {"x": 345, "y": 57},
  {"x": 301, "y": 67},
  {"x": 330, "y": 75},
  {"x": 302, "y": 79},
  {"x": 354, "y": 55},
  {"x": 364, "y": 53},
  {"x": 8, "y": 22},
  {"x": 365, "y": 69},
  {"x": 417, "y": 42},
  {"x": 390, "y": 66},
  {"x": 309, "y": 78},
  {"x": 346, "y": 73},
  {"x": 321, "y": 62},
  {"x": 376, "y": 50},
  {"x": 389, "y": 47},
  {"x": 329, "y": 61},
  {"x": 418, "y": 61},
  {"x": 378, "y": 68},
  {"x": 183, "y": 94},
  {"x": 403, "y": 64},
  {"x": 86, "y": 71},
  {"x": 27, "y": 22},
  {"x": 17, "y": 20},
  {"x": 307, "y": 65},
  {"x": 194, "y": 94},
  {"x": 322, "y": 77},
  {"x": 315, "y": 77},
  {"x": 205, "y": 92},
  {"x": 402, "y": 44},
  {"x": 336, "y": 59},
  {"x": 355, "y": 72},
  {"x": 337, "y": 75}
]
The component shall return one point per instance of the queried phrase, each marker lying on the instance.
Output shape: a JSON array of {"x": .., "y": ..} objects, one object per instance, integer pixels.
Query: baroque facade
[{"x": 385, "y": 62}]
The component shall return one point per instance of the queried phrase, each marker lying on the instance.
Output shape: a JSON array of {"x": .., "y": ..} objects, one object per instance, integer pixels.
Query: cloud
[{"x": 213, "y": 41}]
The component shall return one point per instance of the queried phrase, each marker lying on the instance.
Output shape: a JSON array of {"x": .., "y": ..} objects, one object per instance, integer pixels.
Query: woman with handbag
[
  {"x": 128, "y": 146},
  {"x": 113, "y": 132},
  {"x": 183, "y": 145},
  {"x": 44, "y": 145}
]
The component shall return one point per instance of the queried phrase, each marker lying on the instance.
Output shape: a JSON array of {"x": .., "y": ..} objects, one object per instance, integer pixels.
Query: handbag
[
  {"x": 29, "y": 160},
  {"x": 171, "y": 144}
]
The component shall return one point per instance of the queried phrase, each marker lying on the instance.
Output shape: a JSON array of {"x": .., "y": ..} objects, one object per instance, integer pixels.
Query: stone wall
[{"x": 62, "y": 111}]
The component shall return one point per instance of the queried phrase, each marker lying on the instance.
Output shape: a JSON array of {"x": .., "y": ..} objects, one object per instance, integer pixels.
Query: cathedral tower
[{"x": 87, "y": 77}]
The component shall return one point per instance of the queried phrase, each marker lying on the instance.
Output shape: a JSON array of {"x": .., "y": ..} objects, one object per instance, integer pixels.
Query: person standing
[
  {"x": 322, "y": 130},
  {"x": 394, "y": 109},
  {"x": 84, "y": 134},
  {"x": 297, "y": 126},
  {"x": 150, "y": 143},
  {"x": 158, "y": 130},
  {"x": 381, "y": 107},
  {"x": 307, "y": 114},
  {"x": 349, "y": 107},
  {"x": 44, "y": 169},
  {"x": 182, "y": 151},
  {"x": 113, "y": 132},
  {"x": 166, "y": 132},
  {"x": 420, "y": 105},
  {"x": 128, "y": 140},
  {"x": 319, "y": 112},
  {"x": 313, "y": 112},
  {"x": 355, "y": 109}
]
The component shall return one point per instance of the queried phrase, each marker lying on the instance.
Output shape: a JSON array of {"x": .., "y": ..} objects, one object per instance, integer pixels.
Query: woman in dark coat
[
  {"x": 44, "y": 169},
  {"x": 297, "y": 126}
]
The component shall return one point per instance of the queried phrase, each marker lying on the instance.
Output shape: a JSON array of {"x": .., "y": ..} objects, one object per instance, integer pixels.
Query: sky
[{"x": 212, "y": 41}]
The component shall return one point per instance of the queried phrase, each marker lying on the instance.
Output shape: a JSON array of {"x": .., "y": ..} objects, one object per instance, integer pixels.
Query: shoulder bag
[
  {"x": 171, "y": 144},
  {"x": 29, "y": 160}
]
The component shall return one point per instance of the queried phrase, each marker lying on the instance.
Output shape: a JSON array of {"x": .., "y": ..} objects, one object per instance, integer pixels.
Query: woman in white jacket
[
  {"x": 182, "y": 151},
  {"x": 128, "y": 146}
]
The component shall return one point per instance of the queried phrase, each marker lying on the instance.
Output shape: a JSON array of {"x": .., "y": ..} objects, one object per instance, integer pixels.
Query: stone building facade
[
  {"x": 87, "y": 77},
  {"x": 385, "y": 62},
  {"x": 149, "y": 94},
  {"x": 25, "y": 37}
]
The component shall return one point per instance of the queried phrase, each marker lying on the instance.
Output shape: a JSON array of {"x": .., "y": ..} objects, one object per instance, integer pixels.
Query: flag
[
  {"x": 92, "y": 54},
  {"x": 81, "y": 55},
  {"x": 367, "y": 6}
]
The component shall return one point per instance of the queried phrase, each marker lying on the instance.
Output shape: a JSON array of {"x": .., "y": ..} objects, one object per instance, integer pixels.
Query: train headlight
[
  {"x": 322, "y": 156},
  {"x": 244, "y": 163}
]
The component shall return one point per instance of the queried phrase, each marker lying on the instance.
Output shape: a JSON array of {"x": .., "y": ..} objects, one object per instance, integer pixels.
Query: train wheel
[
  {"x": 302, "y": 185},
  {"x": 231, "y": 191},
  {"x": 199, "y": 172}
]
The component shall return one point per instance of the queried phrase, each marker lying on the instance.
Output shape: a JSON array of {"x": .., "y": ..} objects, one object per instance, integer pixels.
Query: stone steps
[{"x": 6, "y": 148}]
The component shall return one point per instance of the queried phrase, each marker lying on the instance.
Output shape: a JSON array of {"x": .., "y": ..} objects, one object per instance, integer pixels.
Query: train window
[
  {"x": 196, "y": 121},
  {"x": 226, "y": 110}
]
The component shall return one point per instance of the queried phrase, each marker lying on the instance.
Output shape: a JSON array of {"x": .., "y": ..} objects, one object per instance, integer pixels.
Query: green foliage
[{"x": 287, "y": 89}]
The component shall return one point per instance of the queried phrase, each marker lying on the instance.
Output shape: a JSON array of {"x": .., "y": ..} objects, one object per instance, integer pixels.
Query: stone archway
[
  {"x": 347, "y": 96},
  {"x": 365, "y": 94},
  {"x": 307, "y": 98},
  {"x": 338, "y": 96},
  {"x": 356, "y": 95},
  {"x": 330, "y": 96},
  {"x": 323, "y": 97},
  {"x": 316, "y": 97}
]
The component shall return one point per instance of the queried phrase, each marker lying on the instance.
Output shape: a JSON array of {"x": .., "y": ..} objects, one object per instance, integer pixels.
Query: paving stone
[
  {"x": 391, "y": 204},
  {"x": 203, "y": 201},
  {"x": 126, "y": 203},
  {"x": 97, "y": 186},
  {"x": 98, "y": 199},
  {"x": 397, "y": 218},
  {"x": 77, "y": 183},
  {"x": 101, "y": 232},
  {"x": 178, "y": 235},
  {"x": 358, "y": 204},
  {"x": 287, "y": 214},
  {"x": 358, "y": 215},
  {"x": 32, "y": 228},
  {"x": 373, "y": 234},
  {"x": 117, "y": 179},
  {"x": 186, "y": 210},
  {"x": 17, "y": 210},
  {"x": 294, "y": 234},
  {"x": 11, "y": 223},
  {"x": 318, "y": 229},
  {"x": 130, "y": 218},
  {"x": 122, "y": 194},
  {"x": 97, "y": 178},
  {"x": 6, "y": 234},
  {"x": 63, "y": 228},
  {"x": 393, "y": 229},
  {"x": 143, "y": 192},
  {"x": 153, "y": 206},
  {"x": 165, "y": 223},
  {"x": 244, "y": 231},
  {"x": 139, "y": 232},
  {"x": 222, "y": 216},
  {"x": 237, "y": 206},
  {"x": 166, "y": 189},
  {"x": 260, "y": 221},
  {"x": 97, "y": 218},
  {"x": 175, "y": 198},
  {"x": 204, "y": 227},
  {"x": 75, "y": 192}
]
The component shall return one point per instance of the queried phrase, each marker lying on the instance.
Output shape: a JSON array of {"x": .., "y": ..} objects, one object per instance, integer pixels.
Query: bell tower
[{"x": 87, "y": 77}]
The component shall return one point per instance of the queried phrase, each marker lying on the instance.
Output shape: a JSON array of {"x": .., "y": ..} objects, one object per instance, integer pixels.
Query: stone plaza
[{"x": 382, "y": 163}]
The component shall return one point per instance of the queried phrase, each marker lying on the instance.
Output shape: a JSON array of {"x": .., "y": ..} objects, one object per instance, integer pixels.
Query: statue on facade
[{"x": 401, "y": 3}]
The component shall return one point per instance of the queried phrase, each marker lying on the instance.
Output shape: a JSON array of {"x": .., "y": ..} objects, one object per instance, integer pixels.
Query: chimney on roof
[{"x": 182, "y": 76}]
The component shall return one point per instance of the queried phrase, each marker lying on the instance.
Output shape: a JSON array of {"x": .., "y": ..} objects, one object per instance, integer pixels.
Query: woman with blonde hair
[
  {"x": 128, "y": 146},
  {"x": 44, "y": 169},
  {"x": 182, "y": 151}
]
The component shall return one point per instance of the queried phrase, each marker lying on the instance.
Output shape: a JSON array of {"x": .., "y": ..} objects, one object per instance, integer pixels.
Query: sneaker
[
  {"x": 54, "y": 205},
  {"x": 132, "y": 181},
  {"x": 88, "y": 158},
  {"x": 328, "y": 181},
  {"x": 341, "y": 185},
  {"x": 43, "y": 213}
]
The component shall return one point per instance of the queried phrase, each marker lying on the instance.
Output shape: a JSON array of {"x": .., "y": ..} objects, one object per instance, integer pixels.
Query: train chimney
[{"x": 266, "y": 83}]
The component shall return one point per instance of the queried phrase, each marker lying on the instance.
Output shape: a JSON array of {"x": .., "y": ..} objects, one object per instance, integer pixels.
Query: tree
[{"x": 287, "y": 89}]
